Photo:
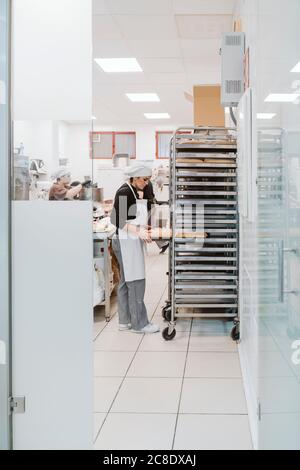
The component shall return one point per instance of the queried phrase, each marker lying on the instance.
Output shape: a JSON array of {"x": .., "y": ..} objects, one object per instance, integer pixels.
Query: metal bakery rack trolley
[{"x": 203, "y": 260}]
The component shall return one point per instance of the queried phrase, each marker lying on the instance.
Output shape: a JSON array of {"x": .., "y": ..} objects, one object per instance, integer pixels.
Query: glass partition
[
  {"x": 5, "y": 375},
  {"x": 52, "y": 220},
  {"x": 279, "y": 224}
]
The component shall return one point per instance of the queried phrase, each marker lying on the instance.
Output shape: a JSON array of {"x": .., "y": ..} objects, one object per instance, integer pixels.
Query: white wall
[
  {"x": 145, "y": 137},
  {"x": 52, "y": 140},
  {"x": 40, "y": 140},
  {"x": 52, "y": 59},
  {"x": 77, "y": 150}
]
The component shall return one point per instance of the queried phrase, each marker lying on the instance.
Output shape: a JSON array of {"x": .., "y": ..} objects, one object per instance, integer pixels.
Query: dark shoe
[{"x": 164, "y": 248}]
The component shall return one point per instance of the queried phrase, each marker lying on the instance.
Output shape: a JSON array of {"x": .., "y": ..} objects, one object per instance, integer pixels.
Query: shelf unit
[{"x": 203, "y": 274}]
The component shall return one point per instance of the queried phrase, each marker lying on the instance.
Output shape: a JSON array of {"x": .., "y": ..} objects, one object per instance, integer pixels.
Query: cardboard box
[{"x": 207, "y": 106}]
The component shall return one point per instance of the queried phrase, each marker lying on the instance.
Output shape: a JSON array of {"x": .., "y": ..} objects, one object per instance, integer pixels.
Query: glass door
[
  {"x": 279, "y": 225},
  {"x": 5, "y": 376},
  {"x": 52, "y": 216}
]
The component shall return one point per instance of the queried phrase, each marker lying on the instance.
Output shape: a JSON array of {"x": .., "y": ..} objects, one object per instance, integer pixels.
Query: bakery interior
[{"x": 189, "y": 91}]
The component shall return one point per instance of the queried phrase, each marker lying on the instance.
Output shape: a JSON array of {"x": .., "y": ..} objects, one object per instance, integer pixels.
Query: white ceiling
[{"x": 177, "y": 44}]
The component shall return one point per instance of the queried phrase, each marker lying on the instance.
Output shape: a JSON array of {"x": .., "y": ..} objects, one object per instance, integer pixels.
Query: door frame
[{"x": 5, "y": 233}]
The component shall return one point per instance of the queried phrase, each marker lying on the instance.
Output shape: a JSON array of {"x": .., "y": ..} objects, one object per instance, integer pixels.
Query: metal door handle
[
  {"x": 281, "y": 271},
  {"x": 282, "y": 290},
  {"x": 290, "y": 250}
]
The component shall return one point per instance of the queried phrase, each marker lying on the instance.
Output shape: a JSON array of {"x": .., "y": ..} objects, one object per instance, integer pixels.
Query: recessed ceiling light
[
  {"x": 157, "y": 115},
  {"x": 282, "y": 97},
  {"x": 94, "y": 118},
  {"x": 296, "y": 69},
  {"x": 122, "y": 65},
  {"x": 143, "y": 97},
  {"x": 266, "y": 115}
]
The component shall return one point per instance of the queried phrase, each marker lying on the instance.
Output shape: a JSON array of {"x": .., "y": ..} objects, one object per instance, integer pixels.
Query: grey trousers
[{"x": 131, "y": 306}]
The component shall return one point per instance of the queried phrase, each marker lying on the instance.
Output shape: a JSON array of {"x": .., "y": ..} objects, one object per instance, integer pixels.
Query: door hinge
[
  {"x": 259, "y": 413},
  {"x": 17, "y": 405}
]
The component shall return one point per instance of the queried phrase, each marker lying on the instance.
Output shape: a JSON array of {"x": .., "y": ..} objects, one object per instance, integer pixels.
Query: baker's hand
[{"x": 144, "y": 235}]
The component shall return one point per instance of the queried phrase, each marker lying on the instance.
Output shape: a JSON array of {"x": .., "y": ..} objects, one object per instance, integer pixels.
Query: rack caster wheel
[
  {"x": 235, "y": 333},
  {"x": 167, "y": 336},
  {"x": 166, "y": 312}
]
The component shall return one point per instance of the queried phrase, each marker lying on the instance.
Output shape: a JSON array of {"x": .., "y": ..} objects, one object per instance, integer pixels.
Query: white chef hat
[
  {"x": 138, "y": 170},
  {"x": 60, "y": 173}
]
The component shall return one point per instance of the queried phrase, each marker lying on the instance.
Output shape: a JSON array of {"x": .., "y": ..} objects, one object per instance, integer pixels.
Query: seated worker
[
  {"x": 149, "y": 195},
  {"x": 62, "y": 190},
  {"x": 130, "y": 216}
]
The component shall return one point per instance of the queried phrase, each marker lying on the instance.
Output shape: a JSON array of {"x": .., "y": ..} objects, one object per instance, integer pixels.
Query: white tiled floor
[{"x": 183, "y": 394}]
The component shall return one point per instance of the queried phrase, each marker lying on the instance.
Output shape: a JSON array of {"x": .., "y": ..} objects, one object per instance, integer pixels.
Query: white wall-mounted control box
[{"x": 233, "y": 53}]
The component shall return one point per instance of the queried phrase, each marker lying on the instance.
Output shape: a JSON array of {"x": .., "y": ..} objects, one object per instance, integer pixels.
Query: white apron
[{"x": 132, "y": 247}]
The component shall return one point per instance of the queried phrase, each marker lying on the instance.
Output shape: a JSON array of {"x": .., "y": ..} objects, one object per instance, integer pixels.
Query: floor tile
[
  {"x": 149, "y": 395},
  {"x": 137, "y": 432},
  {"x": 207, "y": 327},
  {"x": 105, "y": 390},
  {"x": 157, "y": 343},
  {"x": 98, "y": 421},
  {"x": 213, "y": 365},
  {"x": 99, "y": 324},
  {"x": 111, "y": 364},
  {"x": 213, "y": 396},
  {"x": 153, "y": 294},
  {"x": 151, "y": 308},
  {"x": 181, "y": 325},
  {"x": 117, "y": 341},
  {"x": 203, "y": 432},
  {"x": 157, "y": 364},
  {"x": 212, "y": 343}
]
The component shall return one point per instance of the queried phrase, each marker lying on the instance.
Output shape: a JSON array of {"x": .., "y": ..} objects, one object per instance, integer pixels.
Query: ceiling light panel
[
  {"x": 157, "y": 115},
  {"x": 119, "y": 65},
  {"x": 203, "y": 26},
  {"x": 143, "y": 97},
  {"x": 282, "y": 98}
]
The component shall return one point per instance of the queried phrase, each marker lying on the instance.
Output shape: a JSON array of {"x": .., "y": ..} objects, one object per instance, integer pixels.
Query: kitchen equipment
[{"x": 91, "y": 194}]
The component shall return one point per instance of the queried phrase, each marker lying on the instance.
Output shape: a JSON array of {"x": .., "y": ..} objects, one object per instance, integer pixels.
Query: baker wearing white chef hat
[
  {"x": 130, "y": 216},
  {"x": 61, "y": 189}
]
